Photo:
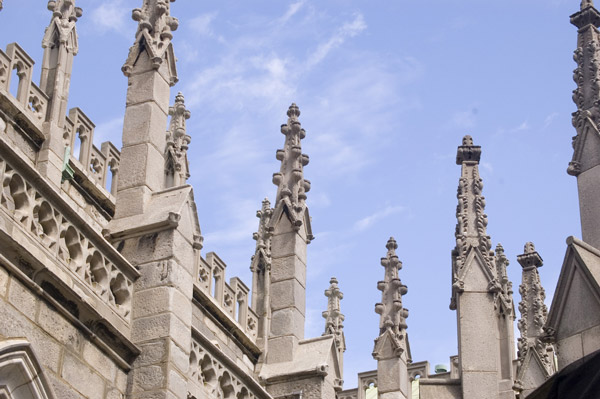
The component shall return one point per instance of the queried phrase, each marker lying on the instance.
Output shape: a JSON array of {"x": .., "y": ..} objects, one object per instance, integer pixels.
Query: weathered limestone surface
[{"x": 72, "y": 363}]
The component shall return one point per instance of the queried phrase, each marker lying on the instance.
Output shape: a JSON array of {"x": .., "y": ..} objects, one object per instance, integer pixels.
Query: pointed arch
[{"x": 21, "y": 376}]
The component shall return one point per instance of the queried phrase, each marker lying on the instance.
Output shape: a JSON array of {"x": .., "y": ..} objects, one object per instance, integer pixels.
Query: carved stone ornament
[
  {"x": 261, "y": 260},
  {"x": 291, "y": 184},
  {"x": 154, "y": 34},
  {"x": 333, "y": 316},
  {"x": 533, "y": 310},
  {"x": 177, "y": 165},
  {"x": 61, "y": 30},
  {"x": 392, "y": 324}
]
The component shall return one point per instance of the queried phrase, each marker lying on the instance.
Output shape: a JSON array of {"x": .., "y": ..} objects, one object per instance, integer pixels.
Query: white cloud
[
  {"x": 368, "y": 221},
  {"x": 111, "y": 15}
]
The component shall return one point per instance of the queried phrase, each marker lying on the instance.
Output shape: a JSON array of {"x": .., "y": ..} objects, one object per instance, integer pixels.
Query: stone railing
[
  {"x": 31, "y": 98},
  {"x": 59, "y": 235},
  {"x": 95, "y": 170},
  {"x": 232, "y": 298},
  {"x": 212, "y": 375}
]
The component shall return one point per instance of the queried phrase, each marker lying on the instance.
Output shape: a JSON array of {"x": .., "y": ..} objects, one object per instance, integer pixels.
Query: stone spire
[
  {"x": 154, "y": 34},
  {"x": 290, "y": 182},
  {"x": 60, "y": 46},
  {"x": 391, "y": 346},
  {"x": 291, "y": 231},
  {"x": 533, "y": 310},
  {"x": 261, "y": 272},
  {"x": 585, "y": 163},
  {"x": 472, "y": 222},
  {"x": 481, "y": 290},
  {"x": 177, "y": 168}
]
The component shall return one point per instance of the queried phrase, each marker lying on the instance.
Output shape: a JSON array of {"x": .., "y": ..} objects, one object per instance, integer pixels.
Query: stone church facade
[{"x": 105, "y": 293}]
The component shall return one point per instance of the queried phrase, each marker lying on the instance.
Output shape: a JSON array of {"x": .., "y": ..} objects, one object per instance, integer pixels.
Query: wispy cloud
[
  {"x": 291, "y": 11},
  {"x": 370, "y": 220},
  {"x": 346, "y": 31},
  {"x": 202, "y": 26}
]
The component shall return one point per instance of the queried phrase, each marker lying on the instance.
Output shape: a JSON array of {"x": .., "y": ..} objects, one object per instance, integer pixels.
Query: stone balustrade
[
  {"x": 97, "y": 166},
  {"x": 65, "y": 241},
  {"x": 212, "y": 375},
  {"x": 232, "y": 298}
]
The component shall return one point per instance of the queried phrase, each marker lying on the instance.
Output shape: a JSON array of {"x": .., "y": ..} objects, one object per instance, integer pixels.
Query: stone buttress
[
  {"x": 391, "y": 347},
  {"x": 156, "y": 224},
  {"x": 481, "y": 292}
]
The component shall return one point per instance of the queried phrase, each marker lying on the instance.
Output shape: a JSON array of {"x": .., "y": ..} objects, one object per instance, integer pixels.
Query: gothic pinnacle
[
  {"x": 290, "y": 182},
  {"x": 393, "y": 314},
  {"x": 333, "y": 315},
  {"x": 154, "y": 34},
  {"x": 533, "y": 309},
  {"x": 62, "y": 25},
  {"x": 262, "y": 238},
  {"x": 177, "y": 143}
]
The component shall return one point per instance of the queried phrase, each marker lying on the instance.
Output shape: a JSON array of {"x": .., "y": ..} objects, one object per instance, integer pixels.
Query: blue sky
[{"x": 387, "y": 89}]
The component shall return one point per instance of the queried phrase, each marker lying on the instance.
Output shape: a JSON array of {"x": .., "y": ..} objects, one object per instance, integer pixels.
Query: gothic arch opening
[{"x": 21, "y": 376}]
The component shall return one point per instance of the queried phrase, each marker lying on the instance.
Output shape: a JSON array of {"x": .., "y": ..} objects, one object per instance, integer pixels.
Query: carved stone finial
[
  {"x": 177, "y": 165},
  {"x": 533, "y": 310},
  {"x": 61, "y": 29},
  {"x": 530, "y": 258},
  {"x": 154, "y": 34},
  {"x": 291, "y": 184},
  {"x": 261, "y": 259},
  {"x": 468, "y": 152},
  {"x": 333, "y": 315},
  {"x": 393, "y": 315},
  {"x": 586, "y": 4}
]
